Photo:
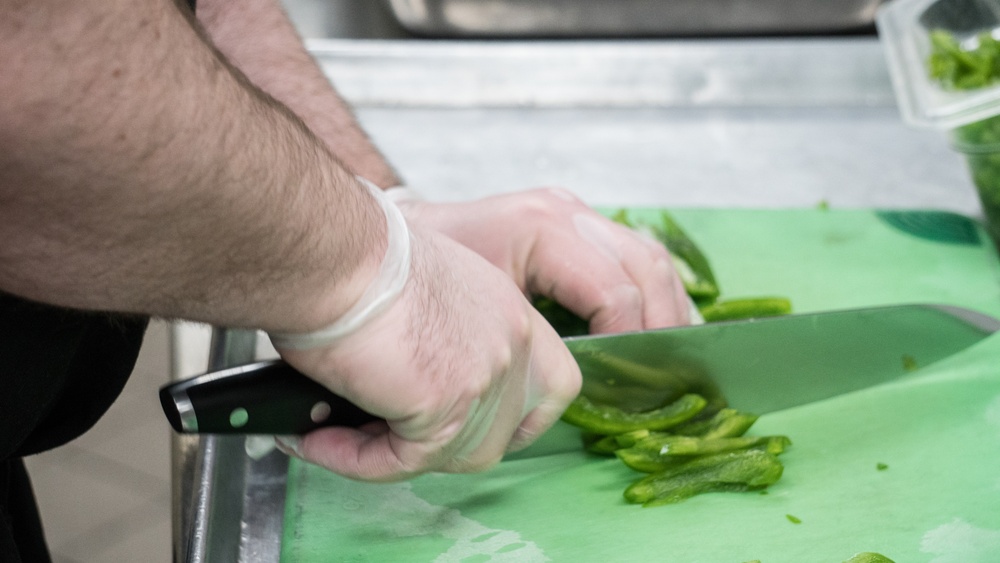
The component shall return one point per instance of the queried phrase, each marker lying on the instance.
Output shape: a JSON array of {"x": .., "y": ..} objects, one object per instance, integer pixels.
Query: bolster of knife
[{"x": 268, "y": 397}]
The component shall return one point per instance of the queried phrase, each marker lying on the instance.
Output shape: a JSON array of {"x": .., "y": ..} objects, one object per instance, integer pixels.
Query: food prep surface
[{"x": 903, "y": 469}]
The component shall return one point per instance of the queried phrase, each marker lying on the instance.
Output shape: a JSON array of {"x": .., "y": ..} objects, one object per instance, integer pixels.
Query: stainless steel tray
[{"x": 630, "y": 18}]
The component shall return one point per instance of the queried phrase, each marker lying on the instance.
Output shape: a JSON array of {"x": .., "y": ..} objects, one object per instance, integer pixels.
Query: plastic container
[{"x": 970, "y": 117}]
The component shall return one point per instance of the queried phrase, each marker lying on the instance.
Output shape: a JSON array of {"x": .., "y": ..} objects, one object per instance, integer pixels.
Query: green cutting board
[{"x": 909, "y": 469}]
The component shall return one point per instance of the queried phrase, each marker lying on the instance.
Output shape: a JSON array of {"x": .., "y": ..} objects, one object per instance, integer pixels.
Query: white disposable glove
[
  {"x": 460, "y": 366},
  {"x": 551, "y": 243}
]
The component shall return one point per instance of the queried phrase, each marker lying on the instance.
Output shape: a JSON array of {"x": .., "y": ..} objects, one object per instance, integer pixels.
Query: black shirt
[{"x": 60, "y": 370}]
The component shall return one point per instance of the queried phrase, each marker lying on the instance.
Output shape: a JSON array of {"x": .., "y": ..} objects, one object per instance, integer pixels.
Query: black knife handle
[{"x": 268, "y": 397}]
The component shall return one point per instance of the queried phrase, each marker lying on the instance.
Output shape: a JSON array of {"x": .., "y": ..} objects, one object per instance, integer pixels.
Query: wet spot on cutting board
[
  {"x": 414, "y": 516},
  {"x": 960, "y": 542}
]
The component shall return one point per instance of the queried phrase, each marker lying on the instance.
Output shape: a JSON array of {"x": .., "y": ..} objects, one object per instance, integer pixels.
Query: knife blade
[{"x": 756, "y": 365}]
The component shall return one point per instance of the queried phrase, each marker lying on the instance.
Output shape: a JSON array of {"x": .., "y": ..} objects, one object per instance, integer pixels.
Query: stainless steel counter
[{"x": 741, "y": 123}]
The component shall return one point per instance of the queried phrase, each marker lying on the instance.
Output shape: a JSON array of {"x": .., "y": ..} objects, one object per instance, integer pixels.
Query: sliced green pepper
[
  {"x": 628, "y": 439},
  {"x": 646, "y": 461},
  {"x": 660, "y": 451},
  {"x": 731, "y": 471},
  {"x": 609, "y": 420},
  {"x": 774, "y": 445},
  {"x": 748, "y": 308},
  {"x": 598, "y": 443},
  {"x": 727, "y": 423},
  {"x": 608, "y": 445},
  {"x": 692, "y": 266}
]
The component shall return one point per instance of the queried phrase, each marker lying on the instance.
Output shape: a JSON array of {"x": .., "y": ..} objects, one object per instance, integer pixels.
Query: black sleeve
[
  {"x": 61, "y": 370},
  {"x": 21, "y": 537}
]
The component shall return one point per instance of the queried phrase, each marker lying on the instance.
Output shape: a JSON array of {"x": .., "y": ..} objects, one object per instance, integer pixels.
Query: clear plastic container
[{"x": 970, "y": 117}]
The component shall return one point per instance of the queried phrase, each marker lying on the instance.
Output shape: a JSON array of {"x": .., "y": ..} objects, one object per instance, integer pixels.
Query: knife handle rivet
[
  {"x": 239, "y": 417},
  {"x": 320, "y": 412}
]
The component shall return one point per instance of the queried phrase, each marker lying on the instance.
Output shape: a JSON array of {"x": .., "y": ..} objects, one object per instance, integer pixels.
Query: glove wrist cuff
[{"x": 382, "y": 291}]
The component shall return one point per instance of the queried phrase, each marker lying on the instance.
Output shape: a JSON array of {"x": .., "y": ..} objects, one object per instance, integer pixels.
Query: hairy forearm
[
  {"x": 139, "y": 173},
  {"x": 276, "y": 61}
]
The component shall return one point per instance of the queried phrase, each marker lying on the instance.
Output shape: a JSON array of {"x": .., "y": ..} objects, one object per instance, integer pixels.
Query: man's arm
[
  {"x": 139, "y": 172},
  {"x": 550, "y": 244},
  {"x": 258, "y": 38}
]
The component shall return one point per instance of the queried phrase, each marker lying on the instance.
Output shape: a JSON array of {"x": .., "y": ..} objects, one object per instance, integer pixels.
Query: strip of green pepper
[
  {"x": 747, "y": 308},
  {"x": 774, "y": 445},
  {"x": 608, "y": 445},
  {"x": 659, "y": 451},
  {"x": 727, "y": 423},
  {"x": 692, "y": 266},
  {"x": 609, "y": 420},
  {"x": 732, "y": 471}
]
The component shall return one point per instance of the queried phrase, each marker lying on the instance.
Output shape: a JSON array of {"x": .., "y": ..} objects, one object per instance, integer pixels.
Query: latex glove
[
  {"x": 553, "y": 244},
  {"x": 460, "y": 365}
]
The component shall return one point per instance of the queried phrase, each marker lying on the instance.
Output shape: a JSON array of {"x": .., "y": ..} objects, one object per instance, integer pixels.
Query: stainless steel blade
[{"x": 774, "y": 363}]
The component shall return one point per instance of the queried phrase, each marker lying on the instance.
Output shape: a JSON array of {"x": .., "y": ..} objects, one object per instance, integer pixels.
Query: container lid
[{"x": 904, "y": 28}]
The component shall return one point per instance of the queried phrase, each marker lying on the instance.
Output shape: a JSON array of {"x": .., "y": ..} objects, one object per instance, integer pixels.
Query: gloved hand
[
  {"x": 460, "y": 365},
  {"x": 552, "y": 244}
]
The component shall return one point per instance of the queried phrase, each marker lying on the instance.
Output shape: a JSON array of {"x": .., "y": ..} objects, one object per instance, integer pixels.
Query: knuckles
[{"x": 543, "y": 205}]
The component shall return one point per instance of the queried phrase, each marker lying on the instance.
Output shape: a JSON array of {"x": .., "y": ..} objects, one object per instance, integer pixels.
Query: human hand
[
  {"x": 552, "y": 244},
  {"x": 460, "y": 366}
]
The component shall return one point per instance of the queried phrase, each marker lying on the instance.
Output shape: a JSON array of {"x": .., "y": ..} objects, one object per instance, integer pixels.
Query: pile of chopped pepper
[
  {"x": 682, "y": 454},
  {"x": 688, "y": 446}
]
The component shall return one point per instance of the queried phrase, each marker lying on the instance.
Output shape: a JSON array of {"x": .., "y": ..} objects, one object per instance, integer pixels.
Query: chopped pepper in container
[{"x": 944, "y": 61}]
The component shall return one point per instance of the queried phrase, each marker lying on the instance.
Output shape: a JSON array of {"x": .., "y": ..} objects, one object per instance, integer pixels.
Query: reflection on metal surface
[
  {"x": 219, "y": 491},
  {"x": 775, "y": 363},
  {"x": 630, "y": 18}
]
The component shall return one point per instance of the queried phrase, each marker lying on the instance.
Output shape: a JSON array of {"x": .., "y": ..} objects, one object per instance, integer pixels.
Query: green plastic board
[{"x": 907, "y": 469}]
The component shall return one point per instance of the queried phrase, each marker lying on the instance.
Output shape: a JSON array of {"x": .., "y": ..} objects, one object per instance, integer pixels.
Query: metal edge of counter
[
  {"x": 761, "y": 72},
  {"x": 226, "y": 506}
]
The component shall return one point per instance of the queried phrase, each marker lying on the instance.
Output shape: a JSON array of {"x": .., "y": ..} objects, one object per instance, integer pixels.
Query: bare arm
[
  {"x": 139, "y": 172},
  {"x": 257, "y": 37},
  {"x": 633, "y": 288}
]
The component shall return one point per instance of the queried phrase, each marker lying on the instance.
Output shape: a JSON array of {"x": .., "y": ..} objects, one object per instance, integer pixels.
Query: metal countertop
[{"x": 688, "y": 123}]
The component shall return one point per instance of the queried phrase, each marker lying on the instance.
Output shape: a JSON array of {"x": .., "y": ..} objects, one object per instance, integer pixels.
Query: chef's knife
[{"x": 758, "y": 366}]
